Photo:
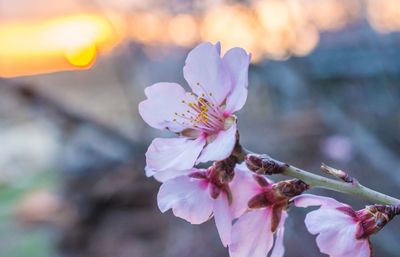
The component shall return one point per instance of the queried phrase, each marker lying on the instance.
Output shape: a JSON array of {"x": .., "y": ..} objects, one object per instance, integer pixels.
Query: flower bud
[
  {"x": 291, "y": 188},
  {"x": 278, "y": 194},
  {"x": 373, "y": 218},
  {"x": 263, "y": 164}
]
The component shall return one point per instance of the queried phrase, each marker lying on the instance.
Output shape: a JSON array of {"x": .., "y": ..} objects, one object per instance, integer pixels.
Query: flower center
[{"x": 202, "y": 112}]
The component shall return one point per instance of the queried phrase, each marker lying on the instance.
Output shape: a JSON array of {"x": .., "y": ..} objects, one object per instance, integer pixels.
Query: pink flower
[
  {"x": 253, "y": 233},
  {"x": 339, "y": 229},
  {"x": 204, "y": 118},
  {"x": 202, "y": 194}
]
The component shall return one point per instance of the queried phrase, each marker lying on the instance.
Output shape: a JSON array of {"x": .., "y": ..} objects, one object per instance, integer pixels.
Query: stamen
[{"x": 202, "y": 113}]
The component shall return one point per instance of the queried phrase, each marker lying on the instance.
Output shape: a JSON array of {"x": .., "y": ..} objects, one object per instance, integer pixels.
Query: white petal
[
  {"x": 164, "y": 100},
  {"x": 243, "y": 188},
  {"x": 223, "y": 218},
  {"x": 306, "y": 200},
  {"x": 336, "y": 232},
  {"x": 221, "y": 147},
  {"x": 237, "y": 62},
  {"x": 279, "y": 248},
  {"x": 204, "y": 66},
  {"x": 188, "y": 197},
  {"x": 251, "y": 234},
  {"x": 165, "y": 175},
  {"x": 173, "y": 154}
]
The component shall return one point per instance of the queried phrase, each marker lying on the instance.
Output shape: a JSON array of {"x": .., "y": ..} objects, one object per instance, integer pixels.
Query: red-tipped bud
[
  {"x": 373, "y": 218},
  {"x": 263, "y": 164}
]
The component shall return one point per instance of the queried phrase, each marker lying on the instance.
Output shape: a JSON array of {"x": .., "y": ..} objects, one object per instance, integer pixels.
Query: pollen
[{"x": 202, "y": 112}]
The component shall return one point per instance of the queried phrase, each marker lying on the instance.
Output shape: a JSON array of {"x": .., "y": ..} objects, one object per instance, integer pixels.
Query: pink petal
[
  {"x": 306, "y": 200},
  {"x": 223, "y": 218},
  {"x": 204, "y": 66},
  {"x": 173, "y": 154},
  {"x": 362, "y": 249},
  {"x": 279, "y": 248},
  {"x": 237, "y": 62},
  {"x": 188, "y": 198},
  {"x": 221, "y": 147},
  {"x": 336, "y": 232},
  {"x": 165, "y": 175},
  {"x": 164, "y": 100},
  {"x": 243, "y": 187},
  {"x": 327, "y": 219},
  {"x": 251, "y": 234}
]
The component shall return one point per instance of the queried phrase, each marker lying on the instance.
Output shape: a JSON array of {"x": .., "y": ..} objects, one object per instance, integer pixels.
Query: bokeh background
[{"x": 324, "y": 87}]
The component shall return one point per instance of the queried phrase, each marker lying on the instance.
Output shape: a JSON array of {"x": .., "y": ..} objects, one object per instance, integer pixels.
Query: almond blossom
[
  {"x": 202, "y": 194},
  {"x": 253, "y": 233},
  {"x": 342, "y": 231},
  {"x": 203, "y": 118}
]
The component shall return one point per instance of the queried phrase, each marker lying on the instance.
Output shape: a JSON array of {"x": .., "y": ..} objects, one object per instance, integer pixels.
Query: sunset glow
[
  {"x": 272, "y": 29},
  {"x": 62, "y": 43}
]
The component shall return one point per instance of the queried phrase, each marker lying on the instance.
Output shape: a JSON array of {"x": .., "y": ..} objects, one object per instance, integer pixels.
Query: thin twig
[{"x": 273, "y": 166}]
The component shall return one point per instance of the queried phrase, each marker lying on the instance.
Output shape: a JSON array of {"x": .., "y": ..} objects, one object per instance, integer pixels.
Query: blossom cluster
[{"x": 249, "y": 210}]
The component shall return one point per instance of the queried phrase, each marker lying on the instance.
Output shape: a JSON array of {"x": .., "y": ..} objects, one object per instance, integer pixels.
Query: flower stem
[
  {"x": 314, "y": 180},
  {"x": 355, "y": 189}
]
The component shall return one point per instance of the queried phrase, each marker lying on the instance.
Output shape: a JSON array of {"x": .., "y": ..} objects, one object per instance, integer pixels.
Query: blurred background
[{"x": 324, "y": 87}]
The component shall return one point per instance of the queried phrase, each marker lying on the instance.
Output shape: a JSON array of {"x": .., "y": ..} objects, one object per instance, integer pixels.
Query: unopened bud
[
  {"x": 278, "y": 194},
  {"x": 337, "y": 173},
  {"x": 291, "y": 188},
  {"x": 373, "y": 218},
  {"x": 263, "y": 164}
]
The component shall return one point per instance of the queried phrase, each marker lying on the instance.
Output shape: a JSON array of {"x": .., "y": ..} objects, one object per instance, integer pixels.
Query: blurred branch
[
  {"x": 40, "y": 99},
  {"x": 381, "y": 158}
]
